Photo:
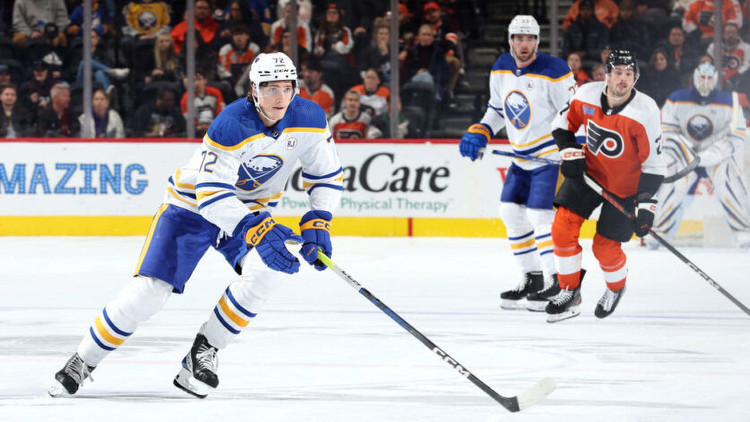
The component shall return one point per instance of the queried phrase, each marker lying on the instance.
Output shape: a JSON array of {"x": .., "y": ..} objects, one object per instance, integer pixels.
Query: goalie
[{"x": 703, "y": 128}]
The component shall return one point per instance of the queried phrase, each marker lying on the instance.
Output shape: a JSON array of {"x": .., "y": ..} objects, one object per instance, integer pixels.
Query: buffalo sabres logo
[
  {"x": 257, "y": 171},
  {"x": 700, "y": 127},
  {"x": 147, "y": 21},
  {"x": 602, "y": 140},
  {"x": 517, "y": 108}
]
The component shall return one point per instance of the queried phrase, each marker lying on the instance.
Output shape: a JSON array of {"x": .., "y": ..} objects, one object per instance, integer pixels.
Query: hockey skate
[
  {"x": 198, "y": 374},
  {"x": 515, "y": 299},
  {"x": 608, "y": 302},
  {"x": 70, "y": 378},
  {"x": 537, "y": 301},
  {"x": 566, "y": 304}
]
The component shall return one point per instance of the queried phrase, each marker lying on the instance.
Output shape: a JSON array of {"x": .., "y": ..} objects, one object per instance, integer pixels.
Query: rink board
[{"x": 392, "y": 188}]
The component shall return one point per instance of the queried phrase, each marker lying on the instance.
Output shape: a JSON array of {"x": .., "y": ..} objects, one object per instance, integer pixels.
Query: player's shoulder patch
[
  {"x": 304, "y": 115},
  {"x": 549, "y": 66},
  {"x": 721, "y": 98},
  {"x": 683, "y": 95},
  {"x": 590, "y": 92}
]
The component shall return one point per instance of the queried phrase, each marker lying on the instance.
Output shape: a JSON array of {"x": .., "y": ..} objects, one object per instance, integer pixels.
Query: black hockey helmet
[{"x": 622, "y": 57}]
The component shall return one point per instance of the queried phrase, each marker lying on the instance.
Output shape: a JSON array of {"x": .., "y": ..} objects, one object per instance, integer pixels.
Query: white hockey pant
[
  {"x": 529, "y": 234},
  {"x": 138, "y": 301}
]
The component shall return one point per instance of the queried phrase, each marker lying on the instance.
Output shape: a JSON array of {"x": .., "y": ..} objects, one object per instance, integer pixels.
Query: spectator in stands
[
  {"x": 333, "y": 40},
  {"x": 425, "y": 62},
  {"x": 658, "y": 80},
  {"x": 373, "y": 95},
  {"x": 381, "y": 127},
  {"x": 597, "y": 73},
  {"x": 106, "y": 123},
  {"x": 51, "y": 51},
  {"x": 239, "y": 13},
  {"x": 208, "y": 103},
  {"x": 5, "y": 77},
  {"x": 260, "y": 10},
  {"x": 698, "y": 21},
  {"x": 629, "y": 32},
  {"x": 56, "y": 120},
  {"x": 586, "y": 36},
  {"x": 304, "y": 35},
  {"x": 313, "y": 88},
  {"x": 30, "y": 17},
  {"x": 736, "y": 55},
  {"x": 205, "y": 25},
  {"x": 606, "y": 12},
  {"x": 159, "y": 119},
  {"x": 449, "y": 39},
  {"x": 159, "y": 66},
  {"x": 235, "y": 57},
  {"x": 35, "y": 93},
  {"x": 574, "y": 62},
  {"x": 364, "y": 13},
  {"x": 15, "y": 121},
  {"x": 205, "y": 58},
  {"x": 351, "y": 122},
  {"x": 304, "y": 10},
  {"x": 100, "y": 70},
  {"x": 100, "y": 20},
  {"x": 375, "y": 52},
  {"x": 681, "y": 53},
  {"x": 144, "y": 20}
]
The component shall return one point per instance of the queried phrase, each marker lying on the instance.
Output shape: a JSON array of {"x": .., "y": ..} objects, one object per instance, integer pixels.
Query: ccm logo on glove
[{"x": 255, "y": 235}]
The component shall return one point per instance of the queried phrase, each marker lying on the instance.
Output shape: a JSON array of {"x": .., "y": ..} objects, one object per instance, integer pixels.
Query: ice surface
[{"x": 675, "y": 349}]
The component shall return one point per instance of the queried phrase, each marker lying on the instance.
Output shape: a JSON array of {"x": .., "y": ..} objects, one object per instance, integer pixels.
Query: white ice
[{"x": 675, "y": 349}]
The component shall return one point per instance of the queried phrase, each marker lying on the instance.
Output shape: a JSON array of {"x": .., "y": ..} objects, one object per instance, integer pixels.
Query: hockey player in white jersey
[
  {"x": 527, "y": 88},
  {"x": 708, "y": 123},
  {"x": 222, "y": 199}
]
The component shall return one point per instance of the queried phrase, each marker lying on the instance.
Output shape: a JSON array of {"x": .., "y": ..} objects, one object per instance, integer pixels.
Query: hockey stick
[
  {"x": 682, "y": 173},
  {"x": 525, "y": 157},
  {"x": 514, "y": 404},
  {"x": 615, "y": 203}
]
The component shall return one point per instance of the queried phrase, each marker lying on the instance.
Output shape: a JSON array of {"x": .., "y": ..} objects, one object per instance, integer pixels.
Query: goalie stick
[
  {"x": 514, "y": 404},
  {"x": 613, "y": 200}
]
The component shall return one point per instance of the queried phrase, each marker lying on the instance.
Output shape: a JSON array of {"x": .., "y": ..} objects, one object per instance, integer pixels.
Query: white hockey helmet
[
  {"x": 705, "y": 78},
  {"x": 270, "y": 67},
  {"x": 523, "y": 25}
]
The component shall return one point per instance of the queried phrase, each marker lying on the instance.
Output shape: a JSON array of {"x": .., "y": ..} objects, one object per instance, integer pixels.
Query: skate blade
[
  {"x": 536, "y": 305},
  {"x": 187, "y": 383},
  {"x": 57, "y": 390},
  {"x": 513, "y": 305},
  {"x": 570, "y": 313}
]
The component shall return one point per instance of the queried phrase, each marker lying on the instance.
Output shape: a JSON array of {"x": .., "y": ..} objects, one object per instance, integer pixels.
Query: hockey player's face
[
  {"x": 523, "y": 47},
  {"x": 620, "y": 81},
  {"x": 274, "y": 98}
]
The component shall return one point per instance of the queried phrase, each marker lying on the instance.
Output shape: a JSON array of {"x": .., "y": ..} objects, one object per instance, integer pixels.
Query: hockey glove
[
  {"x": 268, "y": 237},
  {"x": 573, "y": 162},
  {"x": 475, "y": 138},
  {"x": 316, "y": 226},
  {"x": 644, "y": 216}
]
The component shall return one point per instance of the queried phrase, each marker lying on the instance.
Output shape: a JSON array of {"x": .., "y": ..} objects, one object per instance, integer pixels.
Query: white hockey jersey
[
  {"x": 243, "y": 166},
  {"x": 704, "y": 122},
  {"x": 525, "y": 101}
]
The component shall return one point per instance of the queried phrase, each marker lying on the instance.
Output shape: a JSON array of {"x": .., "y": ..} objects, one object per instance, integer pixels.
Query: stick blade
[{"x": 536, "y": 393}]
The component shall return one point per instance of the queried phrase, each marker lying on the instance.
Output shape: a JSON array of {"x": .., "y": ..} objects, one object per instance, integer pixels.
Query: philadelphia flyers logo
[{"x": 602, "y": 140}]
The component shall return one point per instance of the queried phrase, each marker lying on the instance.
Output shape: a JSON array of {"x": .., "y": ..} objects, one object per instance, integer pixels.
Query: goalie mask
[{"x": 705, "y": 77}]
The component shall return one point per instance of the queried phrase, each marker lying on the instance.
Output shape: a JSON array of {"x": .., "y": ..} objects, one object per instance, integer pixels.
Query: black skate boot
[
  {"x": 199, "y": 366},
  {"x": 565, "y": 304},
  {"x": 608, "y": 303},
  {"x": 514, "y": 299},
  {"x": 70, "y": 378},
  {"x": 537, "y": 301}
]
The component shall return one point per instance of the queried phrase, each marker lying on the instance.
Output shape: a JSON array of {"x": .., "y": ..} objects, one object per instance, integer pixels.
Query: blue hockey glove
[
  {"x": 573, "y": 162},
  {"x": 644, "y": 216},
  {"x": 268, "y": 237},
  {"x": 316, "y": 226},
  {"x": 475, "y": 138}
]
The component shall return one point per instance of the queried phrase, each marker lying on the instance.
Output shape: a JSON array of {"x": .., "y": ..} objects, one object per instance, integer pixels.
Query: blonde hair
[{"x": 168, "y": 60}]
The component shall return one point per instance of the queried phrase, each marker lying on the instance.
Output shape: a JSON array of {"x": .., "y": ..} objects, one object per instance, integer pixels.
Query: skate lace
[
  {"x": 562, "y": 297},
  {"x": 522, "y": 284},
  {"x": 78, "y": 370},
  {"x": 206, "y": 358},
  {"x": 608, "y": 299}
]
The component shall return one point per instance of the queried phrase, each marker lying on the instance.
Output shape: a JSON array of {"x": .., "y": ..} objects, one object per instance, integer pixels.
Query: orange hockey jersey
[{"x": 620, "y": 145}]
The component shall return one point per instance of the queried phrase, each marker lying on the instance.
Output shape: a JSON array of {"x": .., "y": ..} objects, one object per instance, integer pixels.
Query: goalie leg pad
[
  {"x": 138, "y": 301},
  {"x": 731, "y": 191}
]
